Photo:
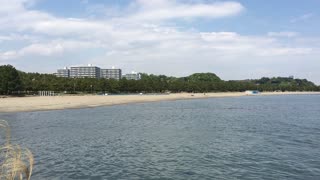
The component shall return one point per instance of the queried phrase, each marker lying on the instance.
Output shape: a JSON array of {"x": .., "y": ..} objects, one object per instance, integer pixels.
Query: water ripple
[{"x": 224, "y": 138}]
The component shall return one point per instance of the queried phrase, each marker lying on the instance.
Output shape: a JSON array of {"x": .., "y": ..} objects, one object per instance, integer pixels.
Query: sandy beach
[{"x": 20, "y": 104}]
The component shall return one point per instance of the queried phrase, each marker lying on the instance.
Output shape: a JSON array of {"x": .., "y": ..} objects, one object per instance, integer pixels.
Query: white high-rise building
[
  {"x": 63, "y": 73},
  {"x": 111, "y": 73},
  {"x": 132, "y": 76},
  {"x": 85, "y": 72}
]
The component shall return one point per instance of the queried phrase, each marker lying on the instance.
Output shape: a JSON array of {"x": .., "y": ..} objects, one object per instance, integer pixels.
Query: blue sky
[{"x": 241, "y": 39}]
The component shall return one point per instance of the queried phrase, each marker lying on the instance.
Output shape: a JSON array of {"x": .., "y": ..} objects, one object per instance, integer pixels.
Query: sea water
[{"x": 260, "y": 137}]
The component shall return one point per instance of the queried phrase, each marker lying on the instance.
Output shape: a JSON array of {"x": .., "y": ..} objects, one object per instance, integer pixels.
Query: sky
[{"x": 241, "y": 39}]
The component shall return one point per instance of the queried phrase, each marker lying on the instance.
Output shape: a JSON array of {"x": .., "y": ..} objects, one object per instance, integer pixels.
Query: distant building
[
  {"x": 93, "y": 72},
  {"x": 63, "y": 73},
  {"x": 111, "y": 73},
  {"x": 132, "y": 76},
  {"x": 85, "y": 72}
]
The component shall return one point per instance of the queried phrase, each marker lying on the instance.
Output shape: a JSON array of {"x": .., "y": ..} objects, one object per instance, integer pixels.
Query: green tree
[{"x": 10, "y": 81}]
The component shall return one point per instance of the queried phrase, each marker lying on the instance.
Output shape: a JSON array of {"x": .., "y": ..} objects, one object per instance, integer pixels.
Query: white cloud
[
  {"x": 129, "y": 37},
  {"x": 18, "y": 37},
  {"x": 285, "y": 51},
  {"x": 131, "y": 41},
  {"x": 154, "y": 4},
  {"x": 5, "y": 38},
  {"x": 14, "y": 5},
  {"x": 303, "y": 17},
  {"x": 8, "y": 55},
  {"x": 287, "y": 34},
  {"x": 164, "y": 9},
  {"x": 53, "y": 48}
]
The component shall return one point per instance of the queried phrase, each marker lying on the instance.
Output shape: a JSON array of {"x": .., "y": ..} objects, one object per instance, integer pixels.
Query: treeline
[{"x": 16, "y": 82}]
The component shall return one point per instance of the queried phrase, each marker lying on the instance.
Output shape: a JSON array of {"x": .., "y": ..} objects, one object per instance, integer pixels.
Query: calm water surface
[{"x": 267, "y": 137}]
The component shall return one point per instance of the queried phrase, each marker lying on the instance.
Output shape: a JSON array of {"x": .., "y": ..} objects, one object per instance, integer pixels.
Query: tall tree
[{"x": 10, "y": 81}]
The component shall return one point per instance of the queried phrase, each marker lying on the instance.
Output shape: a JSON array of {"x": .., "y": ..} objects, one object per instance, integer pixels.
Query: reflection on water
[{"x": 220, "y": 138}]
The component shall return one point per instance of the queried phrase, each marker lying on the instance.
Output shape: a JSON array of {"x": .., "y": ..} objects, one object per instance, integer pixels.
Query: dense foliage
[
  {"x": 285, "y": 84},
  {"x": 9, "y": 80},
  {"x": 30, "y": 83}
]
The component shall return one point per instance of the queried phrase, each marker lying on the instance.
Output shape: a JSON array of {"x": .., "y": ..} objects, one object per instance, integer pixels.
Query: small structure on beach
[
  {"x": 252, "y": 92},
  {"x": 46, "y": 93}
]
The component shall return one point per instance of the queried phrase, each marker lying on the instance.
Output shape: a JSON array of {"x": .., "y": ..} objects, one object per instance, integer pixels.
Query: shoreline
[{"x": 46, "y": 103}]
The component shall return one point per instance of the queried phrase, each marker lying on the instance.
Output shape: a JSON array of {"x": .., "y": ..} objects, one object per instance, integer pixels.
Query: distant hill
[
  {"x": 283, "y": 83},
  {"x": 203, "y": 77}
]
